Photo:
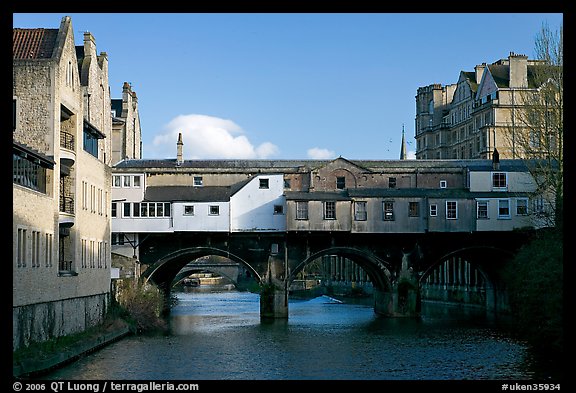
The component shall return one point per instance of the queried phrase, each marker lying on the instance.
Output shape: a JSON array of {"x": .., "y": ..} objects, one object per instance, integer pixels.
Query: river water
[{"x": 217, "y": 334}]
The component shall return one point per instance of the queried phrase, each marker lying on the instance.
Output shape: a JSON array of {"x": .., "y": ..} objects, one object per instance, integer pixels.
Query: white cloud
[
  {"x": 206, "y": 137},
  {"x": 320, "y": 154},
  {"x": 410, "y": 155}
]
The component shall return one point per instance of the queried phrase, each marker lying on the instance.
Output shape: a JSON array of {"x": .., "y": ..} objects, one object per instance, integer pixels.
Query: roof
[
  {"x": 317, "y": 195},
  {"x": 116, "y": 105},
  {"x": 501, "y": 75},
  {"x": 471, "y": 80},
  {"x": 283, "y": 166},
  {"x": 187, "y": 194},
  {"x": 33, "y": 43},
  {"x": 25, "y": 151},
  {"x": 444, "y": 193}
]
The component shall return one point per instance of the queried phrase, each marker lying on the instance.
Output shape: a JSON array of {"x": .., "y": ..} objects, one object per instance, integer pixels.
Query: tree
[{"x": 536, "y": 132}]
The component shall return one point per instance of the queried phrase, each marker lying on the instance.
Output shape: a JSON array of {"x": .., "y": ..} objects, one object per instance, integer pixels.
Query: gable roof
[
  {"x": 471, "y": 80},
  {"x": 30, "y": 44}
]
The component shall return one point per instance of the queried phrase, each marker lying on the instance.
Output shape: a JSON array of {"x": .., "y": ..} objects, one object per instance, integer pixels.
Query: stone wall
[{"x": 43, "y": 321}]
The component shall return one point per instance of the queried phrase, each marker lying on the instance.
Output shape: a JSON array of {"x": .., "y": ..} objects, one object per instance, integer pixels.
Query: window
[
  {"x": 151, "y": 210},
  {"x": 166, "y": 209},
  {"x": 264, "y": 183},
  {"x": 482, "y": 209},
  {"x": 160, "y": 209},
  {"x": 214, "y": 210},
  {"x": 340, "y": 182},
  {"x": 388, "y": 210},
  {"x": 522, "y": 206},
  {"x": 451, "y": 210},
  {"x": 413, "y": 209},
  {"x": 136, "y": 209},
  {"x": 21, "y": 255},
  {"x": 503, "y": 208},
  {"x": 287, "y": 184},
  {"x": 433, "y": 210},
  {"x": 360, "y": 213},
  {"x": 118, "y": 239},
  {"x": 126, "y": 209},
  {"x": 114, "y": 209},
  {"x": 126, "y": 182},
  {"x": 35, "y": 249},
  {"x": 499, "y": 180},
  {"x": 329, "y": 210},
  {"x": 443, "y": 183},
  {"x": 301, "y": 210},
  {"x": 144, "y": 210},
  {"x": 274, "y": 248},
  {"x": 28, "y": 172},
  {"x": 116, "y": 181},
  {"x": 539, "y": 205},
  {"x": 48, "y": 250},
  {"x": 188, "y": 210},
  {"x": 198, "y": 182},
  {"x": 391, "y": 182},
  {"x": 136, "y": 181},
  {"x": 90, "y": 142},
  {"x": 278, "y": 209}
]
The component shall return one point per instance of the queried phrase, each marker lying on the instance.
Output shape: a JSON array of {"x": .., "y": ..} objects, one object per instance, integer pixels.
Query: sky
[{"x": 290, "y": 85}]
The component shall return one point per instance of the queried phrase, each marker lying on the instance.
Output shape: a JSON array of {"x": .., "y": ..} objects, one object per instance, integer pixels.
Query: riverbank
[{"x": 43, "y": 357}]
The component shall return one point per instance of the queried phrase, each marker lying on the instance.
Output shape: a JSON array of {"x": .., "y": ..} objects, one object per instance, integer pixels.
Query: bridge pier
[{"x": 273, "y": 290}]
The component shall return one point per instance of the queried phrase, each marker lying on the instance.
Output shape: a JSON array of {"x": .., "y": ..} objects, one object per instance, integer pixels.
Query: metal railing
[
  {"x": 65, "y": 266},
  {"x": 66, "y": 204},
  {"x": 67, "y": 141}
]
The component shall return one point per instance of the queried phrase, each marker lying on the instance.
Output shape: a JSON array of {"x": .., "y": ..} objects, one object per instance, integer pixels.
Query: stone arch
[
  {"x": 377, "y": 269},
  {"x": 485, "y": 259},
  {"x": 163, "y": 271}
]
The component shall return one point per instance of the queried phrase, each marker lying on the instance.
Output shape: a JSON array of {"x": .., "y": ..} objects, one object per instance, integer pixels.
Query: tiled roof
[{"x": 33, "y": 43}]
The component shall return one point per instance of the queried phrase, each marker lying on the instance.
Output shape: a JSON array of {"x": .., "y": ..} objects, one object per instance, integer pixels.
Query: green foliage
[
  {"x": 144, "y": 304},
  {"x": 535, "y": 287}
]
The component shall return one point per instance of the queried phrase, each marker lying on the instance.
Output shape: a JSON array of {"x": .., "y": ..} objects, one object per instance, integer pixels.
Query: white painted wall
[
  {"x": 252, "y": 207},
  {"x": 130, "y": 193},
  {"x": 517, "y": 181},
  {"x": 201, "y": 220}
]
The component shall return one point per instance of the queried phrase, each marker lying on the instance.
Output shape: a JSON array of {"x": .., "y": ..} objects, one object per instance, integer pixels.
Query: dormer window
[{"x": 499, "y": 180}]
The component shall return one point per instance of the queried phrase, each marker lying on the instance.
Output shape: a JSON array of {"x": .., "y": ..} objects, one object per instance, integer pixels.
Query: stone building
[
  {"x": 471, "y": 118},
  {"x": 61, "y": 183},
  {"x": 126, "y": 130}
]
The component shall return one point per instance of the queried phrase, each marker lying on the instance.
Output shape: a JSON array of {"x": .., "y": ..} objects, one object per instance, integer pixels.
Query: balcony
[
  {"x": 65, "y": 269},
  {"x": 66, "y": 216},
  {"x": 67, "y": 149}
]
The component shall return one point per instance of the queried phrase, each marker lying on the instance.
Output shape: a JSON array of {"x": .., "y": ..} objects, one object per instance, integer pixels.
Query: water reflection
[{"x": 219, "y": 335}]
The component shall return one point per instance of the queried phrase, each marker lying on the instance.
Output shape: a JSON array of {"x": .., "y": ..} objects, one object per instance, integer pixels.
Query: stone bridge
[{"x": 398, "y": 265}]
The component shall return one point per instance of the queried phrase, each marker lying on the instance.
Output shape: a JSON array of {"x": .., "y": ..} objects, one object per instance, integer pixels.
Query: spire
[
  {"x": 179, "y": 145},
  {"x": 403, "y": 147}
]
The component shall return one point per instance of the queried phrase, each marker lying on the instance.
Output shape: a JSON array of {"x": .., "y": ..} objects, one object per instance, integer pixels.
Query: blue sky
[{"x": 290, "y": 85}]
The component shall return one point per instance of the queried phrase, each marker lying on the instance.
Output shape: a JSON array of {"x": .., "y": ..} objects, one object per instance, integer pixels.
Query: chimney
[
  {"x": 518, "y": 70},
  {"x": 495, "y": 160},
  {"x": 179, "y": 145},
  {"x": 479, "y": 70},
  {"x": 89, "y": 44}
]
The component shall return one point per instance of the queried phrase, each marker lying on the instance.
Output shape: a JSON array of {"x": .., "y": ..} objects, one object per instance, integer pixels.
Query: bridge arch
[
  {"x": 165, "y": 270},
  {"x": 377, "y": 270},
  {"x": 475, "y": 267}
]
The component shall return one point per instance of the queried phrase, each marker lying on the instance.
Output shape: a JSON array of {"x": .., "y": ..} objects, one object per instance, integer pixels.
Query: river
[{"x": 217, "y": 334}]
